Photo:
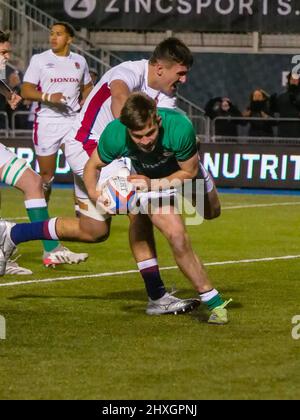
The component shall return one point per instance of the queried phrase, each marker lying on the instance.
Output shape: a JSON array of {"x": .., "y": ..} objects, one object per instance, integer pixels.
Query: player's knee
[
  {"x": 31, "y": 184},
  {"x": 94, "y": 234},
  {"x": 100, "y": 237},
  {"x": 36, "y": 183}
]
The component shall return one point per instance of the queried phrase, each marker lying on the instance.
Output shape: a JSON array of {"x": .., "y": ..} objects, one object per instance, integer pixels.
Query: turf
[{"x": 89, "y": 338}]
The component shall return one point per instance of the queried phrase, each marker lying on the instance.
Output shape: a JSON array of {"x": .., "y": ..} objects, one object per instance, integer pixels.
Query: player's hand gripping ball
[{"x": 118, "y": 196}]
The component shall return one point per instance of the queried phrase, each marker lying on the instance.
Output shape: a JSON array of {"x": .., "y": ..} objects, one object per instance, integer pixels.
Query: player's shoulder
[
  {"x": 134, "y": 64},
  {"x": 116, "y": 126},
  {"x": 117, "y": 131},
  {"x": 77, "y": 57},
  {"x": 134, "y": 67},
  {"x": 41, "y": 56}
]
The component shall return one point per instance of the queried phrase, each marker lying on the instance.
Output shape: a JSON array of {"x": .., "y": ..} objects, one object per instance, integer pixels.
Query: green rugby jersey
[{"x": 176, "y": 143}]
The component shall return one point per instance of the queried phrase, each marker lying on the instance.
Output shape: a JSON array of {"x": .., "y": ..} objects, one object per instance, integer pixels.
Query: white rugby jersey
[
  {"x": 96, "y": 112},
  {"x": 54, "y": 74}
]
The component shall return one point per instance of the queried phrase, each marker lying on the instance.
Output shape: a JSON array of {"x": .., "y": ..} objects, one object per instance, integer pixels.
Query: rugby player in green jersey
[{"x": 162, "y": 147}]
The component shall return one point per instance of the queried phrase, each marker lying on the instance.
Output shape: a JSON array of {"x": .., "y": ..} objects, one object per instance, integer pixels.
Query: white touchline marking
[
  {"x": 246, "y": 206},
  {"x": 250, "y": 206},
  {"x": 121, "y": 273}
]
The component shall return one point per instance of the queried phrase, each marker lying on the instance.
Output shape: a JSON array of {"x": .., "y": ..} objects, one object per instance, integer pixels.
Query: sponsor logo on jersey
[
  {"x": 50, "y": 66},
  {"x": 64, "y": 80}
]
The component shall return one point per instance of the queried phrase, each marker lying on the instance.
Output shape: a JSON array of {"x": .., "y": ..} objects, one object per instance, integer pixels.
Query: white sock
[{"x": 208, "y": 181}]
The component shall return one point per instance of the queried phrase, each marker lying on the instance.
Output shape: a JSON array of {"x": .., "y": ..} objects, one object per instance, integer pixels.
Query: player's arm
[
  {"x": 119, "y": 94},
  {"x": 91, "y": 175},
  {"x": 14, "y": 100},
  {"x": 188, "y": 170},
  {"x": 12, "y": 97},
  {"x": 85, "y": 90},
  {"x": 29, "y": 91}
]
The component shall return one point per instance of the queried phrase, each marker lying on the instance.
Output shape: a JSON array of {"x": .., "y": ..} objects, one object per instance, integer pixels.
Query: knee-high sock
[
  {"x": 37, "y": 212},
  {"x": 150, "y": 272},
  {"x": 24, "y": 232}
]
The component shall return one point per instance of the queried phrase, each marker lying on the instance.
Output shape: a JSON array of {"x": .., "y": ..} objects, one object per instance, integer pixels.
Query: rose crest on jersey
[{"x": 77, "y": 65}]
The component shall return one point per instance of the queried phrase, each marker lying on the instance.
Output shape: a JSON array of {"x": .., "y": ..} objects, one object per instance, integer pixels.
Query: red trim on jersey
[
  {"x": 36, "y": 126},
  {"x": 35, "y": 123},
  {"x": 91, "y": 114},
  {"x": 89, "y": 147}
]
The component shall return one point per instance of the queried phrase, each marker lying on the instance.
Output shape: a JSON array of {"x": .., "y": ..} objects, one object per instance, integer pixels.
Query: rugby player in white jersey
[
  {"x": 158, "y": 78},
  {"x": 56, "y": 79}
]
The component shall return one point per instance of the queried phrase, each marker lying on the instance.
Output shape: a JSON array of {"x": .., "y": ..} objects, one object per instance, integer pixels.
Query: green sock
[
  {"x": 37, "y": 212},
  {"x": 211, "y": 299}
]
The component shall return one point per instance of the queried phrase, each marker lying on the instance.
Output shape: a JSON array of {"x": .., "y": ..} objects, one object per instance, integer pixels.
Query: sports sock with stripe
[
  {"x": 37, "y": 212},
  {"x": 24, "y": 232},
  {"x": 211, "y": 299},
  {"x": 150, "y": 272}
]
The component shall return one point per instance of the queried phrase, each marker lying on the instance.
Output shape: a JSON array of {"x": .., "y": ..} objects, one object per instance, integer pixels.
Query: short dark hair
[
  {"x": 138, "y": 109},
  {"x": 68, "y": 27},
  {"x": 173, "y": 50},
  {"x": 4, "y": 37}
]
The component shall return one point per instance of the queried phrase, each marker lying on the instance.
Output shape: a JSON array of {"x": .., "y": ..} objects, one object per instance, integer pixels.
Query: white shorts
[
  {"x": 49, "y": 136},
  {"x": 5, "y": 155}
]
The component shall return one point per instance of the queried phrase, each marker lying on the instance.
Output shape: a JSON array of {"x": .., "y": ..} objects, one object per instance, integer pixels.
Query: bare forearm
[
  {"x": 86, "y": 90},
  {"x": 175, "y": 180},
  {"x": 117, "y": 105},
  {"x": 90, "y": 178},
  {"x": 31, "y": 94}
]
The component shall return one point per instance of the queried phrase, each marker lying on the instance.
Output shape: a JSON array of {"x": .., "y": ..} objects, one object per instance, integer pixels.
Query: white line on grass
[
  {"x": 250, "y": 206},
  {"x": 246, "y": 206},
  {"x": 121, "y": 273}
]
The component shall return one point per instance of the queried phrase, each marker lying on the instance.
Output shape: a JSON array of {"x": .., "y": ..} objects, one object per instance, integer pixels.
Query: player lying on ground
[
  {"x": 15, "y": 172},
  {"x": 162, "y": 148}
]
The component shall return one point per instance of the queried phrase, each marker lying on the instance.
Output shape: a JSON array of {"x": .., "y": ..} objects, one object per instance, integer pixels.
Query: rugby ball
[{"x": 118, "y": 195}]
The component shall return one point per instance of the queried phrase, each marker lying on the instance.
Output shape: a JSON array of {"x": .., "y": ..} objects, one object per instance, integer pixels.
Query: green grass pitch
[{"x": 89, "y": 338}]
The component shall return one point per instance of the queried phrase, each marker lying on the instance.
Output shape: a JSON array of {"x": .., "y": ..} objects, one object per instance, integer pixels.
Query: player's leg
[
  {"x": 212, "y": 205},
  {"x": 143, "y": 247},
  {"x": 31, "y": 185},
  {"x": 89, "y": 227},
  {"x": 172, "y": 227},
  {"x": 18, "y": 174},
  {"x": 48, "y": 138},
  {"x": 11, "y": 168},
  {"x": 68, "y": 229},
  {"x": 141, "y": 239},
  {"x": 47, "y": 165}
]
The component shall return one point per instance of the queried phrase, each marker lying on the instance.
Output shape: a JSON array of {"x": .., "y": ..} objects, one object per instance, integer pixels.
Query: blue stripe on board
[{"x": 221, "y": 190}]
